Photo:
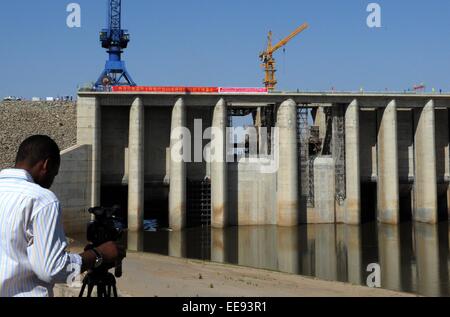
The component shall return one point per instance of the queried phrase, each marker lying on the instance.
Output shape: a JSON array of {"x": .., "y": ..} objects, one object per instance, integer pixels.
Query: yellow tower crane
[{"x": 268, "y": 60}]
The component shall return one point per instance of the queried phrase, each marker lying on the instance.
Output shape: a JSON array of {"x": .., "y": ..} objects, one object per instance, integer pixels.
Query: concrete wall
[
  {"x": 89, "y": 132},
  {"x": 252, "y": 194},
  {"x": 324, "y": 191},
  {"x": 72, "y": 187}
]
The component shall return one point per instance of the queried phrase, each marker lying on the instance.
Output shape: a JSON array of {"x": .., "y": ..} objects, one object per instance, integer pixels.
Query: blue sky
[{"x": 216, "y": 43}]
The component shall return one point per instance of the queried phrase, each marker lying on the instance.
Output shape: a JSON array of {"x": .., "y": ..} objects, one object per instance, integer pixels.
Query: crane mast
[
  {"x": 114, "y": 39},
  {"x": 269, "y": 61}
]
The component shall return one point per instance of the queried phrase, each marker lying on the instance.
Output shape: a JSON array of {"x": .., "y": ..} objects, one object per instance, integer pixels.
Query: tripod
[{"x": 105, "y": 282}]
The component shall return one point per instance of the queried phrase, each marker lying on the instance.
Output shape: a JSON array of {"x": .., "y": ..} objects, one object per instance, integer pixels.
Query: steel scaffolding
[
  {"x": 338, "y": 150},
  {"x": 306, "y": 163},
  {"x": 198, "y": 203}
]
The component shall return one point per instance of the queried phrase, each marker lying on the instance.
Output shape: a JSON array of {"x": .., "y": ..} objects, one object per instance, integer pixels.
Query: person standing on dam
[{"x": 33, "y": 244}]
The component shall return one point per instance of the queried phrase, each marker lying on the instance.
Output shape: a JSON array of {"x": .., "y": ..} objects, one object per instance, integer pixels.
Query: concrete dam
[{"x": 340, "y": 158}]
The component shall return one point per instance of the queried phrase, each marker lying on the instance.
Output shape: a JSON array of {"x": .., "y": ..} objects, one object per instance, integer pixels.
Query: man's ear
[{"x": 46, "y": 165}]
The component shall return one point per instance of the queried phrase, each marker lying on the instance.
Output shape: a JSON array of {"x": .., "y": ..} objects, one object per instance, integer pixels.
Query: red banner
[
  {"x": 242, "y": 90},
  {"x": 185, "y": 90},
  {"x": 165, "y": 89}
]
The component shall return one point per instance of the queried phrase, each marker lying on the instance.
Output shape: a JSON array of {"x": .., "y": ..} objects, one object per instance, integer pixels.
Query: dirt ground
[
  {"x": 149, "y": 275},
  {"x": 21, "y": 119}
]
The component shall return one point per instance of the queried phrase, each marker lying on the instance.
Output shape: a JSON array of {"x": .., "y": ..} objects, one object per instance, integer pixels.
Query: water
[{"x": 413, "y": 258}]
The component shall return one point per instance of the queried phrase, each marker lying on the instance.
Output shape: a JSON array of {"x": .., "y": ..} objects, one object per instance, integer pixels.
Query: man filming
[{"x": 33, "y": 255}]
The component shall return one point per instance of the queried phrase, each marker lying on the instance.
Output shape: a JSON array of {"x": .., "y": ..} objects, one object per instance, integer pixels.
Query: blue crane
[{"x": 115, "y": 40}]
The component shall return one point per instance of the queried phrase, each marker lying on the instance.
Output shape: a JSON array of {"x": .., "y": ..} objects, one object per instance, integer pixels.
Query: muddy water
[{"x": 411, "y": 257}]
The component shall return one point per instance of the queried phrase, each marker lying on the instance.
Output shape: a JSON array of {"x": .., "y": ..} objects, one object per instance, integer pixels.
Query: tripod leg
[
  {"x": 82, "y": 290},
  {"x": 90, "y": 288},
  {"x": 115, "y": 290},
  {"x": 109, "y": 291},
  {"x": 105, "y": 291},
  {"x": 100, "y": 290}
]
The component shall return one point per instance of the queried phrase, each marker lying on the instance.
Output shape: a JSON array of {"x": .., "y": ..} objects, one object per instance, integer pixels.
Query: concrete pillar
[
  {"x": 325, "y": 251},
  {"x": 353, "y": 243},
  {"x": 208, "y": 163},
  {"x": 135, "y": 241},
  {"x": 96, "y": 156},
  {"x": 167, "y": 176},
  {"x": 218, "y": 245},
  {"x": 425, "y": 191},
  {"x": 177, "y": 192},
  {"x": 352, "y": 165},
  {"x": 445, "y": 141},
  {"x": 324, "y": 190},
  {"x": 89, "y": 132},
  {"x": 388, "y": 182},
  {"x": 287, "y": 178},
  {"x": 288, "y": 249},
  {"x": 389, "y": 252},
  {"x": 136, "y": 166},
  {"x": 219, "y": 184},
  {"x": 427, "y": 258},
  {"x": 177, "y": 244}
]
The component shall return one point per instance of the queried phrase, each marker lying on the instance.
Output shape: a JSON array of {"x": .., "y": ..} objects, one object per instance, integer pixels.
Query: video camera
[{"x": 106, "y": 225}]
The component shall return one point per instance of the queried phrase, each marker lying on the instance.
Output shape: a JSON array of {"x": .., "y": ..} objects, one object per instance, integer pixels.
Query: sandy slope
[{"x": 149, "y": 275}]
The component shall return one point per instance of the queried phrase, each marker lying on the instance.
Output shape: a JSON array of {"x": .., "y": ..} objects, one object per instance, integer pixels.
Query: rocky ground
[{"x": 20, "y": 119}]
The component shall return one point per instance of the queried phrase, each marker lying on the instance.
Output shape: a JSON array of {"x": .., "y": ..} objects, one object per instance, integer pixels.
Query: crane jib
[{"x": 288, "y": 38}]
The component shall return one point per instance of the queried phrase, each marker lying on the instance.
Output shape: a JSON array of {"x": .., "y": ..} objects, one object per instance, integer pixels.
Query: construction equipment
[
  {"x": 114, "y": 39},
  {"x": 268, "y": 59}
]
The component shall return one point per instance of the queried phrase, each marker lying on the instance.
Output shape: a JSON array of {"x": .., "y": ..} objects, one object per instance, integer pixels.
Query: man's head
[{"x": 39, "y": 155}]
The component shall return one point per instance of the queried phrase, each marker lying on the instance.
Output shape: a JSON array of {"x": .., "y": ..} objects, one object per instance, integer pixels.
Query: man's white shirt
[{"x": 33, "y": 245}]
